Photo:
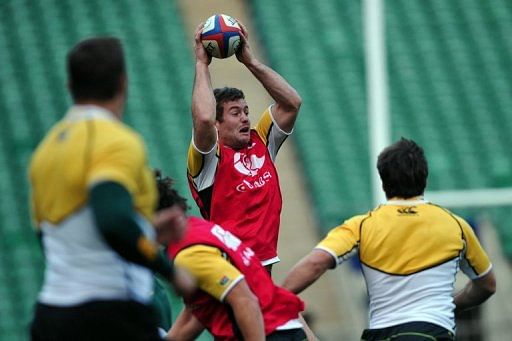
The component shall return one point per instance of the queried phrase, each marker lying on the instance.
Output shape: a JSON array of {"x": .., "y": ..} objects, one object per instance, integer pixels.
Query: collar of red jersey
[
  {"x": 87, "y": 112},
  {"x": 410, "y": 202}
]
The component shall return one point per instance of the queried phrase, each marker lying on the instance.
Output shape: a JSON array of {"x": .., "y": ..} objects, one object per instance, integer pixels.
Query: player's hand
[
  {"x": 183, "y": 283},
  {"x": 201, "y": 54},
  {"x": 170, "y": 225},
  {"x": 244, "y": 53}
]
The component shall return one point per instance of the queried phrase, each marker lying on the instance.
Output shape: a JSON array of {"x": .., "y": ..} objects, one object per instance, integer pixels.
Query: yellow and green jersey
[{"x": 88, "y": 146}]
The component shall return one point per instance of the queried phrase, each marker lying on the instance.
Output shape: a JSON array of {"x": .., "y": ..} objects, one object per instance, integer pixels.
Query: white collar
[
  {"x": 88, "y": 111},
  {"x": 405, "y": 202}
]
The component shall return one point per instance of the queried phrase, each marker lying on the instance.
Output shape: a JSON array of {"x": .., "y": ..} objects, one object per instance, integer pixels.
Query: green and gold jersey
[{"x": 87, "y": 147}]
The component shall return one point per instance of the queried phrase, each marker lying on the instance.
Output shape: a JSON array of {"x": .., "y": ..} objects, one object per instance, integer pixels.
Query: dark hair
[
  {"x": 223, "y": 95},
  {"x": 168, "y": 196},
  {"x": 96, "y": 69},
  {"x": 403, "y": 169}
]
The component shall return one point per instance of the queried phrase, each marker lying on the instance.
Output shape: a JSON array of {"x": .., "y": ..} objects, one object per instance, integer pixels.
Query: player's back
[
  {"x": 410, "y": 254},
  {"x": 88, "y": 146}
]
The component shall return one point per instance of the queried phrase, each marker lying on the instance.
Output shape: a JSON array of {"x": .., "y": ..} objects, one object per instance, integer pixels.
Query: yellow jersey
[{"x": 410, "y": 252}]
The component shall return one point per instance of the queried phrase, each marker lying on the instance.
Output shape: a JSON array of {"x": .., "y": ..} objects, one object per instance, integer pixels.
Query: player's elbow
[
  {"x": 490, "y": 285},
  {"x": 203, "y": 119},
  {"x": 487, "y": 284},
  {"x": 294, "y": 103}
]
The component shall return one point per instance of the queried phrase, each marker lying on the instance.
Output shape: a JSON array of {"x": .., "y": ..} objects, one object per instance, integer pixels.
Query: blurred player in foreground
[
  {"x": 231, "y": 166},
  {"x": 93, "y": 198},
  {"x": 236, "y": 298},
  {"x": 410, "y": 251}
]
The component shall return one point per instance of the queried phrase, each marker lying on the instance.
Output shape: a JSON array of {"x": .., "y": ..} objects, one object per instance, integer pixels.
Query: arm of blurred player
[
  {"x": 203, "y": 100},
  {"x": 308, "y": 270},
  {"x": 186, "y": 327},
  {"x": 287, "y": 99},
  {"x": 247, "y": 311},
  {"x": 476, "y": 292},
  {"x": 112, "y": 208}
]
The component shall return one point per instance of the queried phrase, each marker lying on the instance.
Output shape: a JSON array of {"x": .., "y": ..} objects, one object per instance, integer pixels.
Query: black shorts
[
  {"x": 411, "y": 331},
  {"x": 97, "y": 320},
  {"x": 287, "y": 335}
]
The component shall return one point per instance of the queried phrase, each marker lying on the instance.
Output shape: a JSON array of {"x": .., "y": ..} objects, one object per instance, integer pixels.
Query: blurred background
[{"x": 445, "y": 81}]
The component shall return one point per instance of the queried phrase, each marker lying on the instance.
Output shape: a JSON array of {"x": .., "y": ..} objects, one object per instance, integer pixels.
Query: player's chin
[{"x": 244, "y": 138}]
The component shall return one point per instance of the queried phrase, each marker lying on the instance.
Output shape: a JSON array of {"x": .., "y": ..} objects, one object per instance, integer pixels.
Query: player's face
[{"x": 234, "y": 130}]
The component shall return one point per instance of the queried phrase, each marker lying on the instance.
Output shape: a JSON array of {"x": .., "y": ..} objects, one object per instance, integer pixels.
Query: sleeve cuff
[
  {"x": 329, "y": 251},
  {"x": 231, "y": 286},
  {"x": 277, "y": 125},
  {"x": 199, "y": 150}
]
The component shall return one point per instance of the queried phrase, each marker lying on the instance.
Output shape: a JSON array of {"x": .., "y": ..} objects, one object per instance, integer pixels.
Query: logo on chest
[{"x": 248, "y": 164}]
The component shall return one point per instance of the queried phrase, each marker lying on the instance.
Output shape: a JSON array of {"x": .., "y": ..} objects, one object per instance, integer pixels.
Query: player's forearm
[
  {"x": 475, "y": 292},
  {"x": 249, "y": 319},
  {"x": 112, "y": 208},
  {"x": 203, "y": 108},
  {"x": 277, "y": 87},
  {"x": 203, "y": 101},
  {"x": 186, "y": 327},
  {"x": 307, "y": 271}
]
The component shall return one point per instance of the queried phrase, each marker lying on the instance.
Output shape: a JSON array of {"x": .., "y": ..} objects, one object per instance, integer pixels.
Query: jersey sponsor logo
[
  {"x": 233, "y": 243},
  {"x": 248, "y": 165},
  {"x": 407, "y": 211},
  {"x": 224, "y": 280},
  {"x": 258, "y": 183}
]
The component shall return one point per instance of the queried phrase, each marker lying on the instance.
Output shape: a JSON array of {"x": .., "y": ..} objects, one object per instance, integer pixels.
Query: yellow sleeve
[
  {"x": 475, "y": 263},
  {"x": 195, "y": 161},
  {"x": 342, "y": 242},
  {"x": 264, "y": 124},
  {"x": 118, "y": 156},
  {"x": 214, "y": 274}
]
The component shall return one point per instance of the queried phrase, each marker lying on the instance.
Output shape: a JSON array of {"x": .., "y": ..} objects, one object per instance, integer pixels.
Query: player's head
[
  {"x": 171, "y": 210},
  {"x": 96, "y": 71},
  {"x": 403, "y": 169},
  {"x": 167, "y": 195},
  {"x": 232, "y": 116}
]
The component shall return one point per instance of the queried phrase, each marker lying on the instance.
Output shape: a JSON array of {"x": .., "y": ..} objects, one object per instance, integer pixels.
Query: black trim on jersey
[
  {"x": 461, "y": 235},
  {"x": 268, "y": 138},
  {"x": 369, "y": 214},
  {"x": 206, "y": 201},
  {"x": 412, "y": 273},
  {"x": 346, "y": 253}
]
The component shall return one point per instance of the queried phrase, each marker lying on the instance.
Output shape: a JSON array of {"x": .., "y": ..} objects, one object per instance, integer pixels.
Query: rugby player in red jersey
[{"x": 230, "y": 165}]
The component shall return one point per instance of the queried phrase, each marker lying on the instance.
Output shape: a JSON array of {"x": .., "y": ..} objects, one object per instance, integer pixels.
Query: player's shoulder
[
  {"x": 194, "y": 254},
  {"x": 435, "y": 208},
  {"x": 357, "y": 220},
  {"x": 116, "y": 132}
]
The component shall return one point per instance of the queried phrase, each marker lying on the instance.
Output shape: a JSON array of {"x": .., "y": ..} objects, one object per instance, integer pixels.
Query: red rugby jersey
[
  {"x": 278, "y": 305},
  {"x": 239, "y": 189}
]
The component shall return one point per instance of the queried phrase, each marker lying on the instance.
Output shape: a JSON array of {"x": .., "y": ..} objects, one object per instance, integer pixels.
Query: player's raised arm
[
  {"x": 203, "y": 101},
  {"x": 287, "y": 99}
]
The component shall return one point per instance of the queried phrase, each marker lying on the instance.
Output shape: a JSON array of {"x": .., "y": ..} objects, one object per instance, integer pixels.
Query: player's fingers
[
  {"x": 199, "y": 29},
  {"x": 243, "y": 37},
  {"x": 243, "y": 28}
]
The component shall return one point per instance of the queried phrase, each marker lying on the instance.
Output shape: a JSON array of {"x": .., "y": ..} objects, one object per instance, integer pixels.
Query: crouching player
[{"x": 235, "y": 297}]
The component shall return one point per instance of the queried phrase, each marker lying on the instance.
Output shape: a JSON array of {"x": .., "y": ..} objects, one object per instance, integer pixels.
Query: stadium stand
[
  {"x": 449, "y": 90},
  {"x": 34, "y": 38}
]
